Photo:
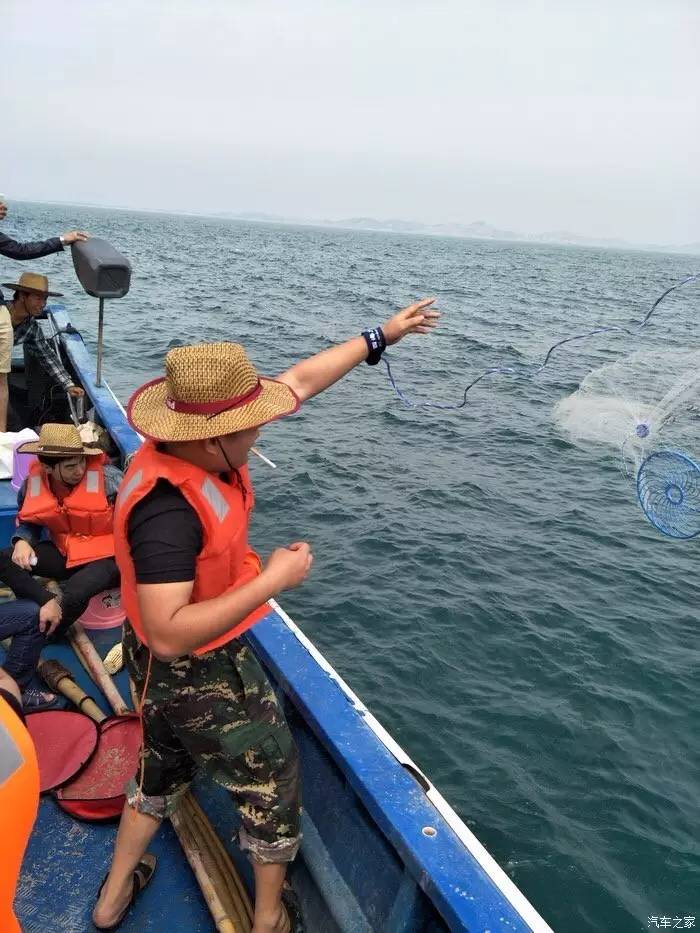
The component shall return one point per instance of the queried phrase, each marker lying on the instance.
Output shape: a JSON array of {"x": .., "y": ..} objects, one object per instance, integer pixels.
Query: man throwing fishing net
[{"x": 191, "y": 586}]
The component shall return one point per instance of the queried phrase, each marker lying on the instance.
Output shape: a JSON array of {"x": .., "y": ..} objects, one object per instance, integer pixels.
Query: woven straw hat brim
[
  {"x": 15, "y": 286},
  {"x": 35, "y": 447},
  {"x": 149, "y": 414}
]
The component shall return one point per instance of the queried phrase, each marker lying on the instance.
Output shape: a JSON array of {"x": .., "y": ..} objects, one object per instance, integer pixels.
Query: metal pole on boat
[{"x": 100, "y": 334}]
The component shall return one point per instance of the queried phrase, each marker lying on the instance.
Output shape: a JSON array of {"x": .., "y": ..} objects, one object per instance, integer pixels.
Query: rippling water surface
[{"x": 491, "y": 591}]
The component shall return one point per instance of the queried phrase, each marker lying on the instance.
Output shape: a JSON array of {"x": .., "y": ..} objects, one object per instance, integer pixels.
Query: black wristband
[{"x": 376, "y": 345}]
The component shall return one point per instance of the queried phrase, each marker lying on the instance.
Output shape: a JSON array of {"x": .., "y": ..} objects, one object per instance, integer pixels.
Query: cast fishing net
[
  {"x": 645, "y": 409},
  {"x": 646, "y": 406},
  {"x": 668, "y": 489}
]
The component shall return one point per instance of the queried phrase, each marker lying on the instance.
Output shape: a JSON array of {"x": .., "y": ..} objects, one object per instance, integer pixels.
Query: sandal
[
  {"x": 35, "y": 699},
  {"x": 142, "y": 875}
]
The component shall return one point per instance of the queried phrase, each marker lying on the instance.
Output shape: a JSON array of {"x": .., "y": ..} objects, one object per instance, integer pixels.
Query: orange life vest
[
  {"x": 225, "y": 561},
  {"x": 81, "y": 526},
  {"x": 19, "y": 800}
]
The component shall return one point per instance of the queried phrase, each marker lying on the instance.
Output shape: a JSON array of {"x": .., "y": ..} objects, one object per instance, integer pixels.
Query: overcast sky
[{"x": 529, "y": 115}]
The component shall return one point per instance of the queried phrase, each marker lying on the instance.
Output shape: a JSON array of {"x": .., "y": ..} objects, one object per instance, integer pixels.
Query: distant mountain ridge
[{"x": 479, "y": 230}]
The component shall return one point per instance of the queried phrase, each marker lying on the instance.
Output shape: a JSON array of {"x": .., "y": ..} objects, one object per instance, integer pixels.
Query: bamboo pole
[
  {"x": 231, "y": 878},
  {"x": 92, "y": 662},
  {"x": 197, "y": 835},
  {"x": 58, "y": 679},
  {"x": 223, "y": 863},
  {"x": 223, "y": 887},
  {"x": 221, "y": 869},
  {"x": 192, "y": 850}
]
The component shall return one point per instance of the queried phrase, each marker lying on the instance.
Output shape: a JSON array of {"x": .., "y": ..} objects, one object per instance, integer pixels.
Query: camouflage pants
[{"x": 219, "y": 713}]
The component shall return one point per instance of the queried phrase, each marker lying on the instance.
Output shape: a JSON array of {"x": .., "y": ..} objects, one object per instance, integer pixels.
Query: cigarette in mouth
[{"x": 263, "y": 458}]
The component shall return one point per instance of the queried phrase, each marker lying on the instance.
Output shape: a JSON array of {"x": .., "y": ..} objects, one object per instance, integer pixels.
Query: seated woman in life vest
[{"x": 69, "y": 494}]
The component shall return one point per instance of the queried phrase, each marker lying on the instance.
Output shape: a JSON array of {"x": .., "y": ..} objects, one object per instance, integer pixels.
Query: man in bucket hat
[
  {"x": 69, "y": 492},
  {"x": 30, "y": 294},
  {"x": 191, "y": 586}
]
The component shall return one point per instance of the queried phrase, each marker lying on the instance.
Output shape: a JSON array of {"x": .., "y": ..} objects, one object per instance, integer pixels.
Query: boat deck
[{"x": 66, "y": 860}]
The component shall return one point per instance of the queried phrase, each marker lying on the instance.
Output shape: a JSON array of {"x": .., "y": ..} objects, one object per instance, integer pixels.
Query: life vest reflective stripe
[
  {"x": 81, "y": 526},
  {"x": 19, "y": 800},
  {"x": 223, "y": 508}
]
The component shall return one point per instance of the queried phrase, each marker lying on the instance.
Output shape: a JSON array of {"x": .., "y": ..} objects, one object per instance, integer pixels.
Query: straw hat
[
  {"x": 209, "y": 390},
  {"x": 33, "y": 282},
  {"x": 58, "y": 440}
]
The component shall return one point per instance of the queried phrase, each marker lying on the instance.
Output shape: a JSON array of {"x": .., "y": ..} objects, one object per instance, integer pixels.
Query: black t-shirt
[{"x": 165, "y": 536}]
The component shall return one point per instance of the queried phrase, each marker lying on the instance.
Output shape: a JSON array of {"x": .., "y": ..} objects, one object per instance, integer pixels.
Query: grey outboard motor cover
[{"x": 102, "y": 271}]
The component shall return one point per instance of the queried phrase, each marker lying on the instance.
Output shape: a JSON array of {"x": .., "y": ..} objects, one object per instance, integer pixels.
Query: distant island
[{"x": 478, "y": 230}]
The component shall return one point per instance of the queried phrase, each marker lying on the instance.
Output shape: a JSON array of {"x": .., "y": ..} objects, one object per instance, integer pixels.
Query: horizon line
[{"x": 262, "y": 217}]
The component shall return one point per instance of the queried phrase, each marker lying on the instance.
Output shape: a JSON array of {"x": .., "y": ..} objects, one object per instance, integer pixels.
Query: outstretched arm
[
  {"x": 313, "y": 375},
  {"x": 15, "y": 250}
]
